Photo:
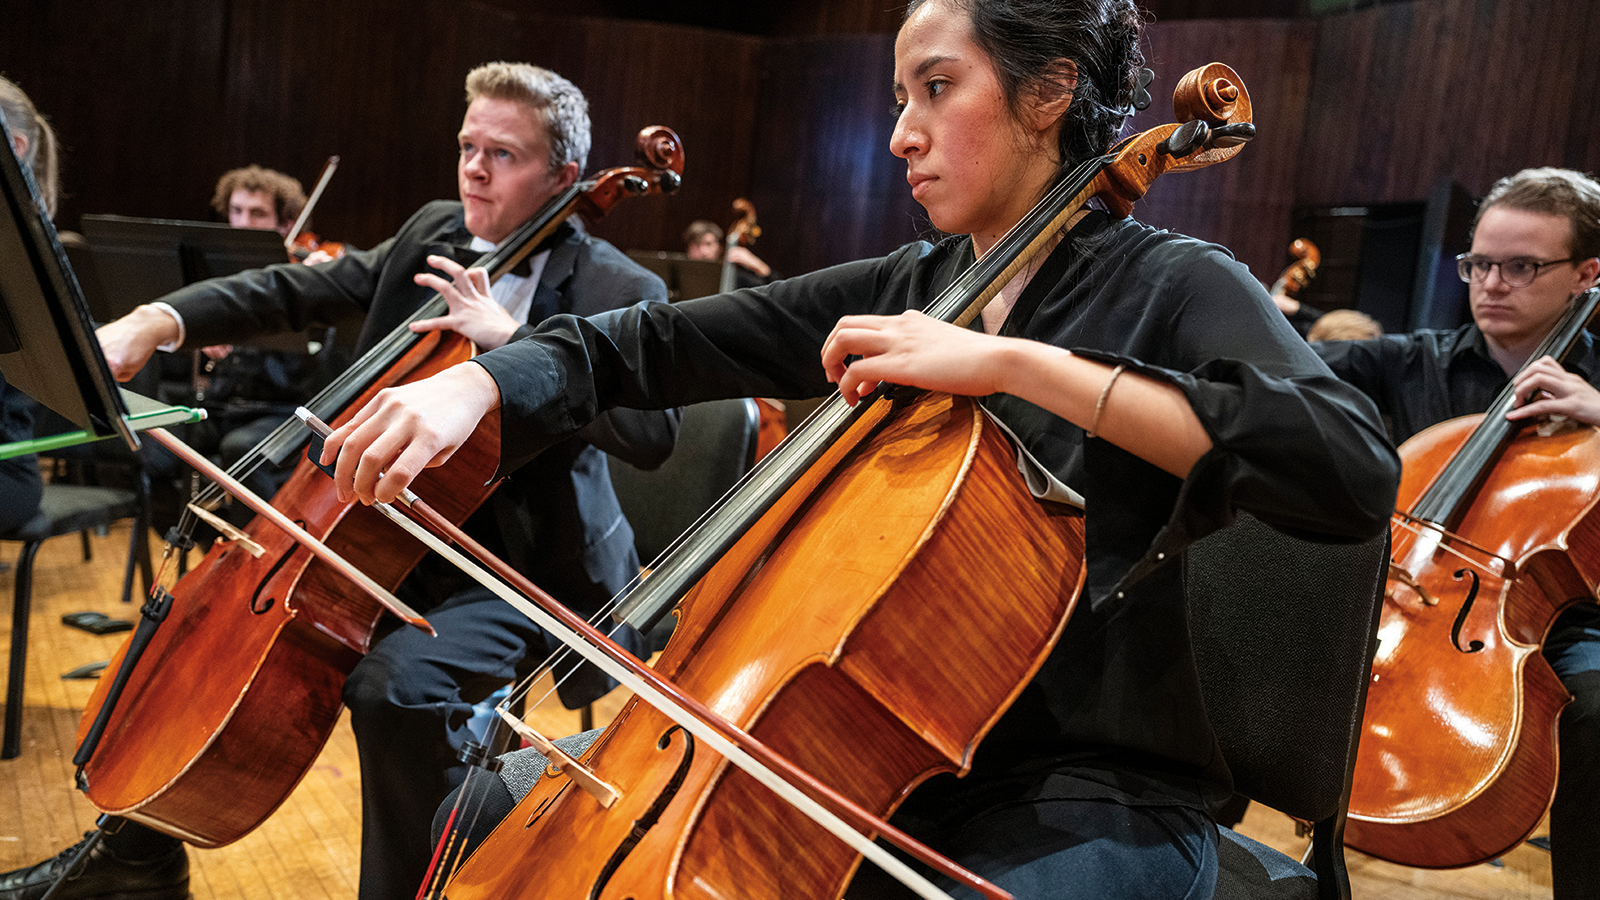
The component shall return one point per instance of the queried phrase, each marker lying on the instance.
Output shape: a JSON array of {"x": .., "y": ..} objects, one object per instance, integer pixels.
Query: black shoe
[{"x": 102, "y": 877}]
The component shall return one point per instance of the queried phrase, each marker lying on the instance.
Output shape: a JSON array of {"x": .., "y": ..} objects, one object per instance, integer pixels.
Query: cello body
[
  {"x": 1457, "y": 760},
  {"x": 240, "y": 687},
  {"x": 855, "y": 629}
]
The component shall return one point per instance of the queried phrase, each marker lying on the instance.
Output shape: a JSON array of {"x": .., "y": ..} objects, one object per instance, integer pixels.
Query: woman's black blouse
[{"x": 1115, "y": 710}]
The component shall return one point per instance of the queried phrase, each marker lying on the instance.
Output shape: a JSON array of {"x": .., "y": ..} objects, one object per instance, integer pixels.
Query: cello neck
[
  {"x": 693, "y": 555},
  {"x": 1446, "y": 501}
]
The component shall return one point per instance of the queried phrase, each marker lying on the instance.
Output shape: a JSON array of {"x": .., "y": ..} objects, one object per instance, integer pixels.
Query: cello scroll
[
  {"x": 1214, "y": 123},
  {"x": 660, "y": 171}
]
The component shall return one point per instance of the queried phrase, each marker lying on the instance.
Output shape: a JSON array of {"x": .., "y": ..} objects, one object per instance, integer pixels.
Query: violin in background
[{"x": 304, "y": 246}]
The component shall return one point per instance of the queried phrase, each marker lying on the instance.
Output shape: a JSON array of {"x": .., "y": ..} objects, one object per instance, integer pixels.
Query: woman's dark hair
[{"x": 1024, "y": 38}]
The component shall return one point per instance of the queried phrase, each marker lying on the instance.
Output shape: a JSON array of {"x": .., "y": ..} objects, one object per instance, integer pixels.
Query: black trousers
[
  {"x": 1573, "y": 650},
  {"x": 410, "y": 699}
]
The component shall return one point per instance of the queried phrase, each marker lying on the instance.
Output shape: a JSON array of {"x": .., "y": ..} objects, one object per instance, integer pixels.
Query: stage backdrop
[{"x": 1380, "y": 105}]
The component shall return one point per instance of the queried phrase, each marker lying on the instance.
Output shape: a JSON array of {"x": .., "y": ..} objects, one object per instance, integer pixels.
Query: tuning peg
[
  {"x": 1141, "y": 93},
  {"x": 1189, "y": 137},
  {"x": 1231, "y": 135}
]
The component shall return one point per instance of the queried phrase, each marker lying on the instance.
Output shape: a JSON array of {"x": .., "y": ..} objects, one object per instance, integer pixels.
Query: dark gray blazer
[{"x": 556, "y": 518}]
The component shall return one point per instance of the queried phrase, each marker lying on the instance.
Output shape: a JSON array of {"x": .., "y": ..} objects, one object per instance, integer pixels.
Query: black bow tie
[{"x": 524, "y": 267}]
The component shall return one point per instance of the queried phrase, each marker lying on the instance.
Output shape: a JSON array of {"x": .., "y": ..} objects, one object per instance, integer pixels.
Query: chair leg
[
  {"x": 138, "y": 554},
  {"x": 146, "y": 568},
  {"x": 142, "y": 523},
  {"x": 11, "y": 747},
  {"x": 146, "y": 518},
  {"x": 133, "y": 556}
]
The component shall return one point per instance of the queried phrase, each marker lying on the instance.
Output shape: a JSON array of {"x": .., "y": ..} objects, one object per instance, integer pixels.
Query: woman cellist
[
  {"x": 1199, "y": 401},
  {"x": 1535, "y": 243}
]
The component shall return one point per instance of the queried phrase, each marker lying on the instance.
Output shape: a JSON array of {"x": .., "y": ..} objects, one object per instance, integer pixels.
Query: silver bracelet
[{"x": 1100, "y": 405}]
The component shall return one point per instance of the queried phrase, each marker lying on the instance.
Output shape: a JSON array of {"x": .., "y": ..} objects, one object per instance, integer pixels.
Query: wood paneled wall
[
  {"x": 1406, "y": 94},
  {"x": 824, "y": 181},
  {"x": 154, "y": 100}
]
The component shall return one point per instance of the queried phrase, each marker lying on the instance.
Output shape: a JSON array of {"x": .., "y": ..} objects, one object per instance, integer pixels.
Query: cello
[
  {"x": 261, "y": 636},
  {"x": 742, "y": 233},
  {"x": 1299, "y": 273},
  {"x": 839, "y": 667},
  {"x": 1495, "y": 533}
]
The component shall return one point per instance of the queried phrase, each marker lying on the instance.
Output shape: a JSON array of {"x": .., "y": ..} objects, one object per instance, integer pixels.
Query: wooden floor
[{"x": 309, "y": 848}]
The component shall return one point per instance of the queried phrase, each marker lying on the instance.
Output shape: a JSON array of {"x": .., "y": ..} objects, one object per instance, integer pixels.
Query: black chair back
[
  {"x": 716, "y": 447},
  {"x": 1284, "y": 632}
]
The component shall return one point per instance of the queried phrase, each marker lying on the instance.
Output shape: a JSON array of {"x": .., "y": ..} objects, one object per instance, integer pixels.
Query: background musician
[
  {"x": 254, "y": 197},
  {"x": 705, "y": 240},
  {"x": 523, "y": 140},
  {"x": 1147, "y": 370},
  {"x": 247, "y": 391},
  {"x": 1344, "y": 325},
  {"x": 1535, "y": 245}
]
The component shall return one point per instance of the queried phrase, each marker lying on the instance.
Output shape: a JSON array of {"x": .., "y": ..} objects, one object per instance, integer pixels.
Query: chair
[
  {"x": 64, "y": 509},
  {"x": 1284, "y": 632},
  {"x": 716, "y": 447}
]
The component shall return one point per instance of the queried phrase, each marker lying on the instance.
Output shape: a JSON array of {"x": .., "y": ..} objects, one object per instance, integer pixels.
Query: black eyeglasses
[{"x": 1519, "y": 271}]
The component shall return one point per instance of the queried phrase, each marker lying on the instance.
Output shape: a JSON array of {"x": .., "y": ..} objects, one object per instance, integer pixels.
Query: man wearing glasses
[{"x": 1535, "y": 247}]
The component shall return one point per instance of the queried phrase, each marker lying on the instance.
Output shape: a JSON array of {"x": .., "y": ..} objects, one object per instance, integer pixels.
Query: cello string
[
  {"x": 772, "y": 469},
  {"x": 816, "y": 811},
  {"x": 800, "y": 435},
  {"x": 1419, "y": 527}
]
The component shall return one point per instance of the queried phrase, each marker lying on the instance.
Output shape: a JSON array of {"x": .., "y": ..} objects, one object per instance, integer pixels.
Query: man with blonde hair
[
  {"x": 1535, "y": 247},
  {"x": 1344, "y": 325},
  {"x": 523, "y": 140}
]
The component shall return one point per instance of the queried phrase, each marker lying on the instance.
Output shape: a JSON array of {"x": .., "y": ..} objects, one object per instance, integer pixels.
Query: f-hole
[
  {"x": 644, "y": 823},
  {"x": 257, "y": 604},
  {"x": 1466, "y": 607},
  {"x": 540, "y": 810}
]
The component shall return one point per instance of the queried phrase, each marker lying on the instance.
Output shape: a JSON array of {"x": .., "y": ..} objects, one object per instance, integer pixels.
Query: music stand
[
  {"x": 146, "y": 259},
  {"x": 48, "y": 349},
  {"x": 139, "y": 260},
  {"x": 686, "y": 278}
]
